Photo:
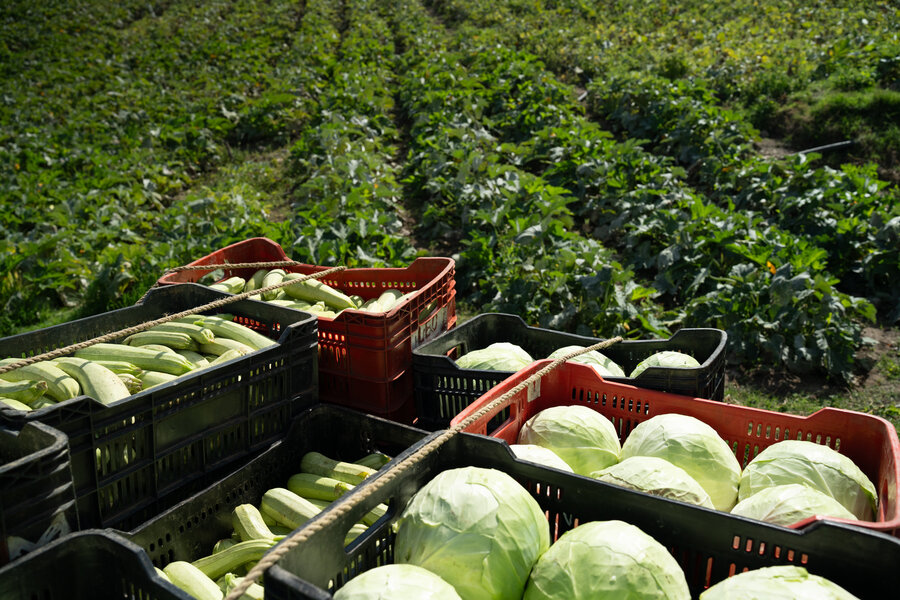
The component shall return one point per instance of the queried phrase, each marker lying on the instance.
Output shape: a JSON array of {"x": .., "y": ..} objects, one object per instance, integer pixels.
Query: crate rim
[{"x": 589, "y": 340}]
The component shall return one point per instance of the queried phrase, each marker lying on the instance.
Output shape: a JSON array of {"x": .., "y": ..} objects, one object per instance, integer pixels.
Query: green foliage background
[{"x": 595, "y": 167}]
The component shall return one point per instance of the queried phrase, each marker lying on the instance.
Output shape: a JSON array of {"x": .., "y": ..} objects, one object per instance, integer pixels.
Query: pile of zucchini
[
  {"x": 321, "y": 480},
  {"x": 310, "y": 295},
  {"x": 111, "y": 371}
]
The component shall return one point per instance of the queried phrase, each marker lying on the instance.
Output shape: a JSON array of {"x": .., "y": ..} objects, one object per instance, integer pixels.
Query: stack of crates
[
  {"x": 365, "y": 359},
  {"x": 709, "y": 545},
  {"x": 120, "y": 561},
  {"x": 154, "y": 478},
  {"x": 128, "y": 457},
  {"x": 37, "y": 497}
]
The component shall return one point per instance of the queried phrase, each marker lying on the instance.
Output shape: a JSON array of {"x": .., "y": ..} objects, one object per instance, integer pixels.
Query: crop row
[
  {"x": 847, "y": 213},
  {"x": 519, "y": 251},
  {"x": 752, "y": 54},
  {"x": 343, "y": 169},
  {"x": 491, "y": 116}
]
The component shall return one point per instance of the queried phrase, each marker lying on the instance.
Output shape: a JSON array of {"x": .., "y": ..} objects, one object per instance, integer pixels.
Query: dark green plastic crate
[
  {"x": 189, "y": 530},
  {"x": 36, "y": 489},
  {"x": 442, "y": 390},
  {"x": 139, "y": 455},
  {"x": 708, "y": 545},
  {"x": 94, "y": 564}
]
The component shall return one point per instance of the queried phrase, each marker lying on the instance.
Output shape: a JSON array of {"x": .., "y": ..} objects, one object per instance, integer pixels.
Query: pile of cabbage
[
  {"x": 476, "y": 534},
  {"x": 506, "y": 356},
  {"x": 682, "y": 458}
]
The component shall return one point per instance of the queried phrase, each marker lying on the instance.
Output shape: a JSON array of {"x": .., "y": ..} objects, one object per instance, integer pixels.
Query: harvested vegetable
[
  {"x": 499, "y": 356},
  {"x": 604, "y": 365},
  {"x": 813, "y": 465},
  {"x": 694, "y": 446},
  {"x": 666, "y": 358},
  {"x": 539, "y": 454},
  {"x": 476, "y": 528},
  {"x": 606, "y": 559},
  {"x": 582, "y": 437},
  {"x": 655, "y": 476},
  {"x": 790, "y": 503},
  {"x": 397, "y": 582},
  {"x": 783, "y": 582}
]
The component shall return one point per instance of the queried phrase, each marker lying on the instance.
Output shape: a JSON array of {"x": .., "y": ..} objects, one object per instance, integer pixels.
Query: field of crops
[{"x": 617, "y": 168}]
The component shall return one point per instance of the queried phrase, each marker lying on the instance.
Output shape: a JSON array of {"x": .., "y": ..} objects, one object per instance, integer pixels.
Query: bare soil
[{"x": 772, "y": 148}]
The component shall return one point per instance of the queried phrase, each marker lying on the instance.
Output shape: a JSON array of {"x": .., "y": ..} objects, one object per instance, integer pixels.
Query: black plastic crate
[
  {"x": 130, "y": 457},
  {"x": 36, "y": 490},
  {"x": 189, "y": 530},
  {"x": 93, "y": 564},
  {"x": 443, "y": 390},
  {"x": 709, "y": 545}
]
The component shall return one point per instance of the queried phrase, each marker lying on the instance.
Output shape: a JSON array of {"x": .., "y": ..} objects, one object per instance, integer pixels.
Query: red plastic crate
[
  {"x": 364, "y": 358},
  {"x": 870, "y": 441}
]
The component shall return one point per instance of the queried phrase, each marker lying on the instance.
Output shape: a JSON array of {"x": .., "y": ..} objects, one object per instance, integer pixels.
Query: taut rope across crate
[
  {"x": 401, "y": 467},
  {"x": 250, "y": 265},
  {"x": 148, "y": 324}
]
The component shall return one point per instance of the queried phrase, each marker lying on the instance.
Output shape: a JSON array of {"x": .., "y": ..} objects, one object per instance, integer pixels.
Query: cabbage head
[
  {"x": 789, "y": 503},
  {"x": 606, "y": 559},
  {"x": 397, "y": 582},
  {"x": 499, "y": 356},
  {"x": 783, "y": 582},
  {"x": 655, "y": 476},
  {"x": 539, "y": 454},
  {"x": 814, "y": 465},
  {"x": 666, "y": 358},
  {"x": 582, "y": 437},
  {"x": 691, "y": 444},
  {"x": 476, "y": 528},
  {"x": 603, "y": 365}
]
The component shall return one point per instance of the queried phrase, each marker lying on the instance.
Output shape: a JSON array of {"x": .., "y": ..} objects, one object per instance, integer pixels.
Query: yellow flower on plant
[{"x": 770, "y": 266}]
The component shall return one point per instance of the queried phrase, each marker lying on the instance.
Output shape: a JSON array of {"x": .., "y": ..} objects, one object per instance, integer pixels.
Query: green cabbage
[
  {"x": 789, "y": 503},
  {"x": 539, "y": 454},
  {"x": 666, "y": 358},
  {"x": 582, "y": 437},
  {"x": 814, "y": 465},
  {"x": 602, "y": 364},
  {"x": 655, "y": 476},
  {"x": 397, "y": 582},
  {"x": 499, "y": 356},
  {"x": 606, "y": 559},
  {"x": 694, "y": 446},
  {"x": 476, "y": 528},
  {"x": 785, "y": 582}
]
